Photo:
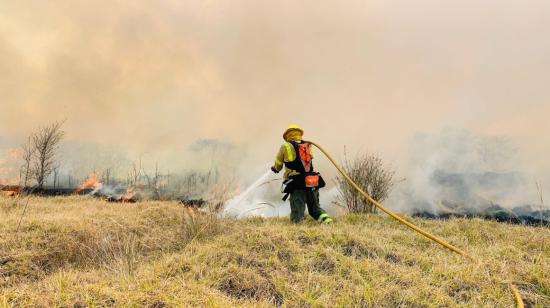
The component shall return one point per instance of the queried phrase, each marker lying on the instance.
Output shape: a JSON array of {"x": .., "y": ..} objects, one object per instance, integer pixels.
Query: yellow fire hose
[{"x": 519, "y": 301}]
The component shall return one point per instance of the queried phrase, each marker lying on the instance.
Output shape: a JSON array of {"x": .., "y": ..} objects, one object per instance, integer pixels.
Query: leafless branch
[
  {"x": 28, "y": 151},
  {"x": 46, "y": 142}
]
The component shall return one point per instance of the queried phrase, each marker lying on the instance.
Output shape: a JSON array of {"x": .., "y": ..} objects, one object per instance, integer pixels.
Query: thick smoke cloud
[{"x": 149, "y": 79}]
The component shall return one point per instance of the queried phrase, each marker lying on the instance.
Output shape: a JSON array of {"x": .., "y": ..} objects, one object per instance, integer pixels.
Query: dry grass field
[{"x": 84, "y": 252}]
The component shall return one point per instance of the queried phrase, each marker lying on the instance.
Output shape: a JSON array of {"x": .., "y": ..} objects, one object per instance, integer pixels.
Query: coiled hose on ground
[{"x": 517, "y": 296}]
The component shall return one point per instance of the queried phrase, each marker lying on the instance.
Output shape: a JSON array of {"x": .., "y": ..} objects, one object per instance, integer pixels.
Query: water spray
[{"x": 234, "y": 203}]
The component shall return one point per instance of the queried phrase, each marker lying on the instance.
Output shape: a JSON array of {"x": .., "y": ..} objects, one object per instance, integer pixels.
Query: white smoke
[{"x": 461, "y": 168}]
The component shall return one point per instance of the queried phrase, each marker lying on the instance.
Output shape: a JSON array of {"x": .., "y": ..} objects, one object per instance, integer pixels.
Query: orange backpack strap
[
  {"x": 303, "y": 160},
  {"x": 305, "y": 155}
]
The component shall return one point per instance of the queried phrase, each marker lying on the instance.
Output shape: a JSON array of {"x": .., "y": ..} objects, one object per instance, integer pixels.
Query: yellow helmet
[{"x": 291, "y": 128}]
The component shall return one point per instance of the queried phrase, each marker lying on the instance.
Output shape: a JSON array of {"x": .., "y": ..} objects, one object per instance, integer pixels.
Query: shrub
[{"x": 370, "y": 173}]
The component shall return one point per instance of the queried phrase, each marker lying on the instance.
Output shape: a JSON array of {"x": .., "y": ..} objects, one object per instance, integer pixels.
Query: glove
[{"x": 274, "y": 170}]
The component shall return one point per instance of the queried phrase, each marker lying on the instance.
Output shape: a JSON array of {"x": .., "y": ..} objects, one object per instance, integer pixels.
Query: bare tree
[
  {"x": 46, "y": 142},
  {"x": 28, "y": 154},
  {"x": 371, "y": 175},
  {"x": 135, "y": 173},
  {"x": 55, "y": 176},
  {"x": 153, "y": 182},
  {"x": 106, "y": 176}
]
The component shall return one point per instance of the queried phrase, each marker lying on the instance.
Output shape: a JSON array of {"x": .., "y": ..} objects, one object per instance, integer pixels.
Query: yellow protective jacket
[{"x": 286, "y": 154}]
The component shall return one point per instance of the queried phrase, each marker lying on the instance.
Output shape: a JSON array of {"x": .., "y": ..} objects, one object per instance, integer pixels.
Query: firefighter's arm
[{"x": 279, "y": 160}]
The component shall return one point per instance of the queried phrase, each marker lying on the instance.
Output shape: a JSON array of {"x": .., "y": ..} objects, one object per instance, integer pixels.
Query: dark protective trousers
[{"x": 298, "y": 200}]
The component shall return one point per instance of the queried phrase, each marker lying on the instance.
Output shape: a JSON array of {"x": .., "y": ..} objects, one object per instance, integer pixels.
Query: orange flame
[
  {"x": 90, "y": 182},
  {"x": 9, "y": 193}
]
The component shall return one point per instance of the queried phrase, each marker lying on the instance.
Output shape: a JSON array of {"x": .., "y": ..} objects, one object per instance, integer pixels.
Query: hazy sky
[{"x": 154, "y": 76}]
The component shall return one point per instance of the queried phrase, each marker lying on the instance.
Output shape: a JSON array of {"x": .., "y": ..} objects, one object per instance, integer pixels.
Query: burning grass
[{"x": 80, "y": 251}]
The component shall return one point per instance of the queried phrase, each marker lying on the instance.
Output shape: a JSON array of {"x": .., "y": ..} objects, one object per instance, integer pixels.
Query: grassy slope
[{"x": 80, "y": 251}]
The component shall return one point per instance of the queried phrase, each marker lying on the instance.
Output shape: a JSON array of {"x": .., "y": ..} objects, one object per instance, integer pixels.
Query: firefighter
[{"x": 300, "y": 181}]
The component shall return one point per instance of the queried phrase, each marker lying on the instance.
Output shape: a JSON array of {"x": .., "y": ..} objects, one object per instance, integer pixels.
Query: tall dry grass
[
  {"x": 84, "y": 252},
  {"x": 87, "y": 233}
]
